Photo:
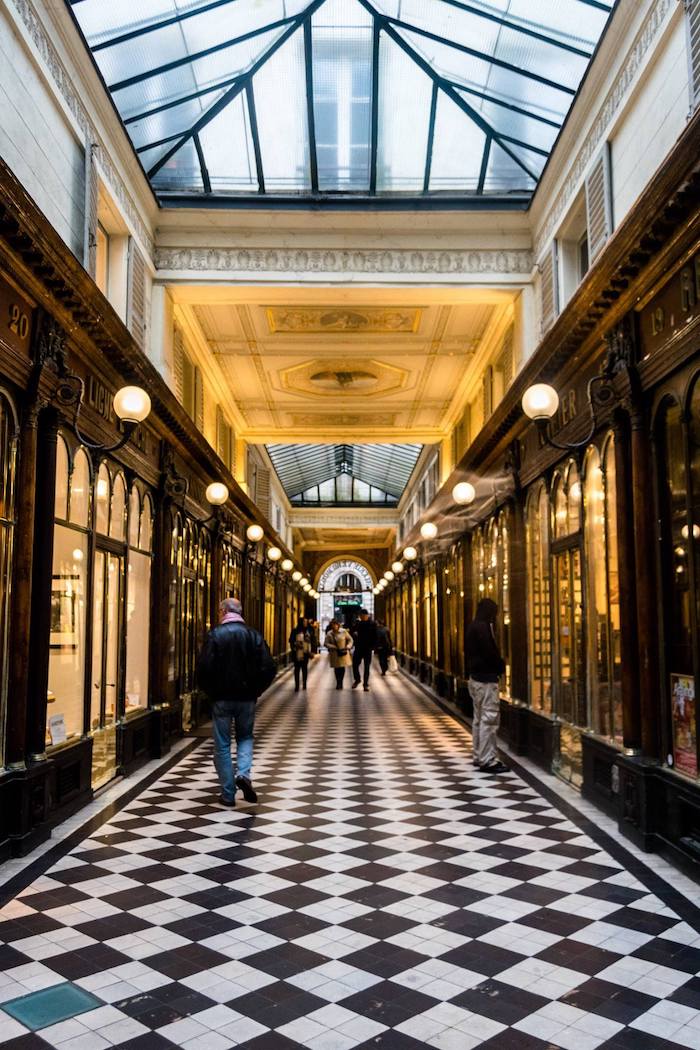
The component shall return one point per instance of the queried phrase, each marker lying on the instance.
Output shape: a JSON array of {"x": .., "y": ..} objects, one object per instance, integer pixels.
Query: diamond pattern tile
[{"x": 382, "y": 895}]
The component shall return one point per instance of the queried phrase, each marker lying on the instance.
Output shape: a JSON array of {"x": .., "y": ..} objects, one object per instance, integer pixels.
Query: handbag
[{"x": 392, "y": 665}]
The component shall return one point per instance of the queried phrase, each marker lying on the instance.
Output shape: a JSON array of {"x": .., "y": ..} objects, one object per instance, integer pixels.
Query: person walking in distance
[
  {"x": 485, "y": 666},
  {"x": 384, "y": 646},
  {"x": 300, "y": 643},
  {"x": 365, "y": 636},
  {"x": 234, "y": 668},
  {"x": 338, "y": 642}
]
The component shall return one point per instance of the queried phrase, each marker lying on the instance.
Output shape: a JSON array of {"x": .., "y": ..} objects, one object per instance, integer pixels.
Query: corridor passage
[{"x": 382, "y": 895}]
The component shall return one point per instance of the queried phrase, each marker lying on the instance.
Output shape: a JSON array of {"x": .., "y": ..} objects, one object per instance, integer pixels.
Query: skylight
[
  {"x": 344, "y": 473},
  {"x": 333, "y": 98}
]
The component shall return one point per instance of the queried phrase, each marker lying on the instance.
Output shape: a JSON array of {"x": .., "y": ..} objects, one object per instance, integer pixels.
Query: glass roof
[
  {"x": 326, "y": 98},
  {"x": 344, "y": 473}
]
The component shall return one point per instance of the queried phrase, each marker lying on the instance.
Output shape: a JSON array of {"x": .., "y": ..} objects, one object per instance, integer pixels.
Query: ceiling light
[{"x": 429, "y": 530}]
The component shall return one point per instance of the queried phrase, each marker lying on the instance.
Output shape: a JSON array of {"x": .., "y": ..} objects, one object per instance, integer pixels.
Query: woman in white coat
[{"x": 339, "y": 644}]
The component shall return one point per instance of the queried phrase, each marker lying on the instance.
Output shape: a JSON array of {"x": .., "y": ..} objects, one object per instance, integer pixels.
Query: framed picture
[{"x": 64, "y": 618}]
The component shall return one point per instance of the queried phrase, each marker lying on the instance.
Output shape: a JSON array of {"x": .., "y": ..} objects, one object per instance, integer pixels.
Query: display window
[
  {"x": 69, "y": 597},
  {"x": 269, "y": 617},
  {"x": 679, "y": 453},
  {"x": 8, "y": 459},
  {"x": 539, "y": 594},
  {"x": 188, "y": 605},
  {"x": 138, "y": 602},
  {"x": 604, "y": 657},
  {"x": 491, "y": 579}
]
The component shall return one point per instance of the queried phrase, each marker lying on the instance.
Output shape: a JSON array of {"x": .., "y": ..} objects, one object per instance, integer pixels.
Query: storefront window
[
  {"x": 570, "y": 693},
  {"x": 602, "y": 597},
  {"x": 138, "y": 602},
  {"x": 66, "y": 690},
  {"x": 103, "y": 494},
  {"x": 683, "y": 534},
  {"x": 269, "y": 618},
  {"x": 538, "y": 589},
  {"x": 491, "y": 579},
  {"x": 8, "y": 456}
]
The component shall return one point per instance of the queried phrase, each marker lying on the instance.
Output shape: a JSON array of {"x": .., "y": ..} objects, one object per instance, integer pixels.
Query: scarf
[{"x": 232, "y": 617}]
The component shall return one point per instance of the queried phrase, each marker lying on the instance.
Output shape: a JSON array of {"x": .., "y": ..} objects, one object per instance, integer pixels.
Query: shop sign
[
  {"x": 669, "y": 312},
  {"x": 685, "y": 757},
  {"x": 16, "y": 313}
]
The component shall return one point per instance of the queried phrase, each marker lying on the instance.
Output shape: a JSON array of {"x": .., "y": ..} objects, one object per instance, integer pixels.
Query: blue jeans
[{"x": 241, "y": 715}]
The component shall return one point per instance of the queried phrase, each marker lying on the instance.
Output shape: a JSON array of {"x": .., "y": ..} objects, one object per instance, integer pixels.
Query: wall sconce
[
  {"x": 541, "y": 401},
  {"x": 410, "y": 553},
  {"x": 274, "y": 553},
  {"x": 388, "y": 575},
  {"x": 375, "y": 590},
  {"x": 464, "y": 493},
  {"x": 307, "y": 587},
  {"x": 131, "y": 406},
  {"x": 287, "y": 565},
  {"x": 255, "y": 533},
  {"x": 296, "y": 576},
  {"x": 397, "y": 567},
  {"x": 303, "y": 581},
  {"x": 429, "y": 530},
  {"x": 216, "y": 495}
]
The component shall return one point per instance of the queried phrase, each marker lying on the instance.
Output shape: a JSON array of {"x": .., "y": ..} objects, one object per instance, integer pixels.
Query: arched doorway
[{"x": 345, "y": 587}]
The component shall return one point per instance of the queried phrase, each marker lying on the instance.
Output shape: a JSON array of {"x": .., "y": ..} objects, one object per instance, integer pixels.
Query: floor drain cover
[{"x": 51, "y": 1005}]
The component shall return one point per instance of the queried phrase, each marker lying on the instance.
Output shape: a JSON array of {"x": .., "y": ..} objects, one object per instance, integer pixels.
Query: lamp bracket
[
  {"x": 69, "y": 394},
  {"x": 601, "y": 393}
]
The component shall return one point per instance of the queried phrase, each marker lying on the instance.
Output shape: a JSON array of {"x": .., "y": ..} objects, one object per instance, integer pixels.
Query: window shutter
[
  {"x": 549, "y": 287},
  {"x": 224, "y": 438},
  {"x": 692, "y": 10},
  {"x": 136, "y": 311},
  {"x": 179, "y": 364},
  {"x": 487, "y": 392},
  {"x": 598, "y": 203},
  {"x": 251, "y": 474},
  {"x": 505, "y": 361},
  {"x": 262, "y": 490},
  {"x": 91, "y": 199},
  {"x": 198, "y": 399}
]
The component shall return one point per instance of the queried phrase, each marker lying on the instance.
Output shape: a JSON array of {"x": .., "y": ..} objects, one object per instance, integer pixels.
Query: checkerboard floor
[{"x": 383, "y": 894}]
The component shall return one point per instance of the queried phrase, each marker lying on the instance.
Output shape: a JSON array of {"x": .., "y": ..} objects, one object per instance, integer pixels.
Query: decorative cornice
[
  {"x": 330, "y": 260},
  {"x": 635, "y": 56},
  {"x": 66, "y": 88}
]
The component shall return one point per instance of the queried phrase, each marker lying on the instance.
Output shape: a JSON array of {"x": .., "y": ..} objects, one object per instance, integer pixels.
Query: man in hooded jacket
[{"x": 485, "y": 666}]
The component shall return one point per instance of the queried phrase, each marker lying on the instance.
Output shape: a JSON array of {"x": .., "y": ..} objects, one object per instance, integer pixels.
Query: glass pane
[
  {"x": 134, "y": 516},
  {"x": 598, "y": 627},
  {"x": 67, "y": 637},
  {"x": 114, "y": 585},
  {"x": 146, "y": 535},
  {"x": 80, "y": 490},
  {"x": 403, "y": 128},
  {"x": 613, "y": 591},
  {"x": 457, "y": 150},
  {"x": 61, "y": 495},
  {"x": 539, "y": 626},
  {"x": 280, "y": 102},
  {"x": 227, "y": 144},
  {"x": 102, "y": 500},
  {"x": 98, "y": 602},
  {"x": 574, "y": 494},
  {"x": 117, "y": 523},
  {"x": 138, "y": 631}
]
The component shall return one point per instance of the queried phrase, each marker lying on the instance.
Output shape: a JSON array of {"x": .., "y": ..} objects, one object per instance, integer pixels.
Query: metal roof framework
[
  {"x": 385, "y": 469},
  {"x": 373, "y": 99}
]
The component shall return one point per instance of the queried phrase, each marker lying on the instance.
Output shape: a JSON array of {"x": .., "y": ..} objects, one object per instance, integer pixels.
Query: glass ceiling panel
[
  {"x": 304, "y": 470},
  {"x": 343, "y": 97}
]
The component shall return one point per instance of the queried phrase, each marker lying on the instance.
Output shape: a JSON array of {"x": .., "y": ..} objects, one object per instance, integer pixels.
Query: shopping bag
[{"x": 393, "y": 665}]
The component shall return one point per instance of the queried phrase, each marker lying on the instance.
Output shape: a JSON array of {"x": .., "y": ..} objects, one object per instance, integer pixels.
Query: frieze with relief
[
  {"x": 324, "y": 260},
  {"x": 324, "y": 320}
]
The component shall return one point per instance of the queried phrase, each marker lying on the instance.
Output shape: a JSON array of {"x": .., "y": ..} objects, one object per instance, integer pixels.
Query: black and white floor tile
[{"x": 382, "y": 895}]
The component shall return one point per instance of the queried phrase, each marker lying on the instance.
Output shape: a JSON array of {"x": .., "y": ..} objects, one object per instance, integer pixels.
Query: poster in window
[
  {"x": 64, "y": 618},
  {"x": 685, "y": 758}
]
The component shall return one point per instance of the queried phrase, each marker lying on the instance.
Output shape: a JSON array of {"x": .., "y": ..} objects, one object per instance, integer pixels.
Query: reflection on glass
[
  {"x": 61, "y": 492},
  {"x": 538, "y": 582},
  {"x": 67, "y": 634},
  {"x": 80, "y": 490},
  {"x": 570, "y": 691},
  {"x": 102, "y": 496}
]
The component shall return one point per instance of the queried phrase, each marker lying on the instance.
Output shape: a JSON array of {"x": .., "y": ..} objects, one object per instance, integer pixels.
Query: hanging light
[
  {"x": 464, "y": 493},
  {"x": 296, "y": 576},
  {"x": 274, "y": 553},
  {"x": 410, "y": 553},
  {"x": 388, "y": 575},
  {"x": 287, "y": 565},
  {"x": 216, "y": 494},
  {"x": 255, "y": 533},
  {"x": 397, "y": 567},
  {"x": 540, "y": 401},
  {"x": 429, "y": 530},
  {"x": 131, "y": 404}
]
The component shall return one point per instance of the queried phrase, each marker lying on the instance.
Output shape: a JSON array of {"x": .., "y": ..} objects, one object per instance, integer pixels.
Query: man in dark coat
[
  {"x": 384, "y": 646},
  {"x": 485, "y": 665},
  {"x": 235, "y": 667},
  {"x": 365, "y": 636}
]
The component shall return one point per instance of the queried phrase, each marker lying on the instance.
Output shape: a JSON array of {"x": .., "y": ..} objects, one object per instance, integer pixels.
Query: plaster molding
[
  {"x": 63, "y": 82},
  {"x": 616, "y": 96},
  {"x": 200, "y": 260}
]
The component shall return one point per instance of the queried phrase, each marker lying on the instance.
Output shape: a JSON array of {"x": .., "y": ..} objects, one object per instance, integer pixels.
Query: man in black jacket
[
  {"x": 485, "y": 666},
  {"x": 235, "y": 667},
  {"x": 365, "y": 636}
]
